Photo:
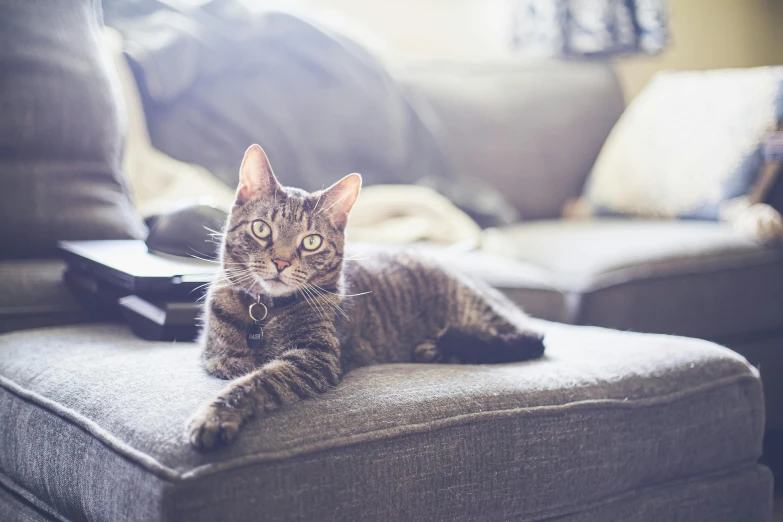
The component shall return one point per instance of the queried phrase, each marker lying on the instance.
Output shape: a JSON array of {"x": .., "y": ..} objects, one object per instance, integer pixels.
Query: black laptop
[
  {"x": 157, "y": 294},
  {"x": 129, "y": 266}
]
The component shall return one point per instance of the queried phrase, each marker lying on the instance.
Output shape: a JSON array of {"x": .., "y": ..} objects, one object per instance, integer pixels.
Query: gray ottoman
[{"x": 607, "y": 426}]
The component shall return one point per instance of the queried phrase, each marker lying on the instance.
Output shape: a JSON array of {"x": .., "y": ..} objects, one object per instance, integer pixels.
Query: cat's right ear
[{"x": 256, "y": 179}]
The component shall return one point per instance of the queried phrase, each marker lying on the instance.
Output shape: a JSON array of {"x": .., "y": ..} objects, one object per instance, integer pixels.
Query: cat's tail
[{"x": 480, "y": 347}]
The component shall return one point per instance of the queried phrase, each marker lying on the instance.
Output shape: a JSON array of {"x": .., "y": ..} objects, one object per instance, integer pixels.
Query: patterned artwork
[{"x": 590, "y": 27}]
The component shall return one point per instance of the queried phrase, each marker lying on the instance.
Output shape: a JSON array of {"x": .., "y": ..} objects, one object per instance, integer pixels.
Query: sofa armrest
[{"x": 529, "y": 129}]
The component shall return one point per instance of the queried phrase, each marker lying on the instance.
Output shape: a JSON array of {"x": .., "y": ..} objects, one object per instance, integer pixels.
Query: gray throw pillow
[{"x": 60, "y": 130}]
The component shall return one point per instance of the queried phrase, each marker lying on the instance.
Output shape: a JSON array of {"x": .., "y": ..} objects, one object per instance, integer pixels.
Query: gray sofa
[{"x": 609, "y": 425}]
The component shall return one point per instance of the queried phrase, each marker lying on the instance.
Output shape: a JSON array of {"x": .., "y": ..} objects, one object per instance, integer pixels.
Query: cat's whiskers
[
  {"x": 309, "y": 302},
  {"x": 315, "y": 295},
  {"x": 317, "y": 302},
  {"x": 355, "y": 257},
  {"x": 215, "y": 232},
  {"x": 215, "y": 261},
  {"x": 240, "y": 279},
  {"x": 237, "y": 272},
  {"x": 319, "y": 200},
  {"x": 341, "y": 295},
  {"x": 329, "y": 300},
  {"x": 199, "y": 287},
  {"x": 333, "y": 204}
]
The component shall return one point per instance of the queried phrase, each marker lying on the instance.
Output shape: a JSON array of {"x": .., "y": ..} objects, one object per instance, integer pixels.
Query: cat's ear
[
  {"x": 337, "y": 200},
  {"x": 256, "y": 178}
]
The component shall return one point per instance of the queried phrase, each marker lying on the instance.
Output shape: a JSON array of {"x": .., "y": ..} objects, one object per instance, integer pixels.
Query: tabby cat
[{"x": 289, "y": 314}]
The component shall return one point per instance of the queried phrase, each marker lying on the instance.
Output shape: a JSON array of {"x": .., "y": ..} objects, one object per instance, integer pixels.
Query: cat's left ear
[
  {"x": 256, "y": 178},
  {"x": 337, "y": 200}
]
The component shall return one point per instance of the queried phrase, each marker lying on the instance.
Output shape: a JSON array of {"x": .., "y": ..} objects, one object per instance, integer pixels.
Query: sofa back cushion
[
  {"x": 60, "y": 130},
  {"x": 531, "y": 129}
]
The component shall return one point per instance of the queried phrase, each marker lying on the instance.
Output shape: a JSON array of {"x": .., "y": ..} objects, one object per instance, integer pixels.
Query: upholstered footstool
[{"x": 607, "y": 426}]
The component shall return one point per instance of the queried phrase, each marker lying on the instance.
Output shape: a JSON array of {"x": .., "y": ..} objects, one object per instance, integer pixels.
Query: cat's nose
[{"x": 281, "y": 264}]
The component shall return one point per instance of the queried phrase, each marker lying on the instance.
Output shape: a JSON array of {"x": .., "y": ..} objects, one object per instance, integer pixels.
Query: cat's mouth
[{"x": 274, "y": 285}]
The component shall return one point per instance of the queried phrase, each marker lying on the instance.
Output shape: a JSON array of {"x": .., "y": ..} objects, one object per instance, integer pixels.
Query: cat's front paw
[{"x": 211, "y": 426}]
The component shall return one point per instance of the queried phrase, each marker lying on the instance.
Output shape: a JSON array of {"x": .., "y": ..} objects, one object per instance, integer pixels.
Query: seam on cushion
[
  {"x": 39, "y": 504},
  {"x": 465, "y": 418},
  {"x": 38, "y": 309},
  {"x": 626, "y": 275},
  {"x": 152, "y": 464},
  {"x": 91, "y": 427}
]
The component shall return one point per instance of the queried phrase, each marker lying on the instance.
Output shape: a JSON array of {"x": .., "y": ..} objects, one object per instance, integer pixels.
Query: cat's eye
[
  {"x": 312, "y": 242},
  {"x": 260, "y": 229}
]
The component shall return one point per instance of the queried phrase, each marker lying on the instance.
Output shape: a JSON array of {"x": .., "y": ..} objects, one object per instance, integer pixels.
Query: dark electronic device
[
  {"x": 130, "y": 267},
  {"x": 161, "y": 321},
  {"x": 187, "y": 232}
]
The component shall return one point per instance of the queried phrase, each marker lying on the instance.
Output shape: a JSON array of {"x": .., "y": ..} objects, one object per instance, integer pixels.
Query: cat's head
[{"x": 279, "y": 239}]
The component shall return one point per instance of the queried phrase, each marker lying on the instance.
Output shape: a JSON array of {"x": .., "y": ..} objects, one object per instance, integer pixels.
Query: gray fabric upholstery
[
  {"x": 526, "y": 284},
  {"x": 96, "y": 426},
  {"x": 33, "y": 294},
  {"x": 766, "y": 354},
  {"x": 530, "y": 129},
  {"x": 737, "y": 496},
  {"x": 741, "y": 495},
  {"x": 60, "y": 130},
  {"x": 14, "y": 508},
  {"x": 691, "y": 278}
]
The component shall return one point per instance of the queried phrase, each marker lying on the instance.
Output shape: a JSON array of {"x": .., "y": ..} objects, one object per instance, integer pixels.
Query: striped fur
[{"x": 387, "y": 307}]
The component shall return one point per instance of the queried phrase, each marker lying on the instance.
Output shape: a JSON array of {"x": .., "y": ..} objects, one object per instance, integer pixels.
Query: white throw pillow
[{"x": 688, "y": 143}]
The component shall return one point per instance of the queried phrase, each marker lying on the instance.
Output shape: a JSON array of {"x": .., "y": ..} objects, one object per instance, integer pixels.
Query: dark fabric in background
[
  {"x": 60, "y": 130},
  {"x": 218, "y": 77}
]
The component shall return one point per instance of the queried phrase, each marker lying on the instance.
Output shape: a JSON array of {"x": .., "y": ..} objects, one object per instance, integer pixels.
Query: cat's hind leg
[
  {"x": 470, "y": 345},
  {"x": 488, "y": 328}
]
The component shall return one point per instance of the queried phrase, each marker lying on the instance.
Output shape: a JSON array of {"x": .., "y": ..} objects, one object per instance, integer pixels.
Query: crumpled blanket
[{"x": 407, "y": 214}]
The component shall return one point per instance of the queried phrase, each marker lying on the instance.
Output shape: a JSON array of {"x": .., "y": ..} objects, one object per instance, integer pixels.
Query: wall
[
  {"x": 706, "y": 33},
  {"x": 712, "y": 34},
  {"x": 425, "y": 29}
]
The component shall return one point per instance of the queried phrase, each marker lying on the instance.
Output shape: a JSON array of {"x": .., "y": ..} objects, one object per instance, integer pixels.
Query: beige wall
[
  {"x": 705, "y": 33},
  {"x": 712, "y": 34},
  {"x": 425, "y": 29}
]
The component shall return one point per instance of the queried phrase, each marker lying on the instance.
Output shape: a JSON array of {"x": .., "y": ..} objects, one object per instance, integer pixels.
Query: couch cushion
[
  {"x": 528, "y": 285},
  {"x": 94, "y": 428},
  {"x": 32, "y": 294},
  {"x": 60, "y": 130},
  {"x": 691, "y": 278},
  {"x": 531, "y": 129},
  {"x": 743, "y": 494}
]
